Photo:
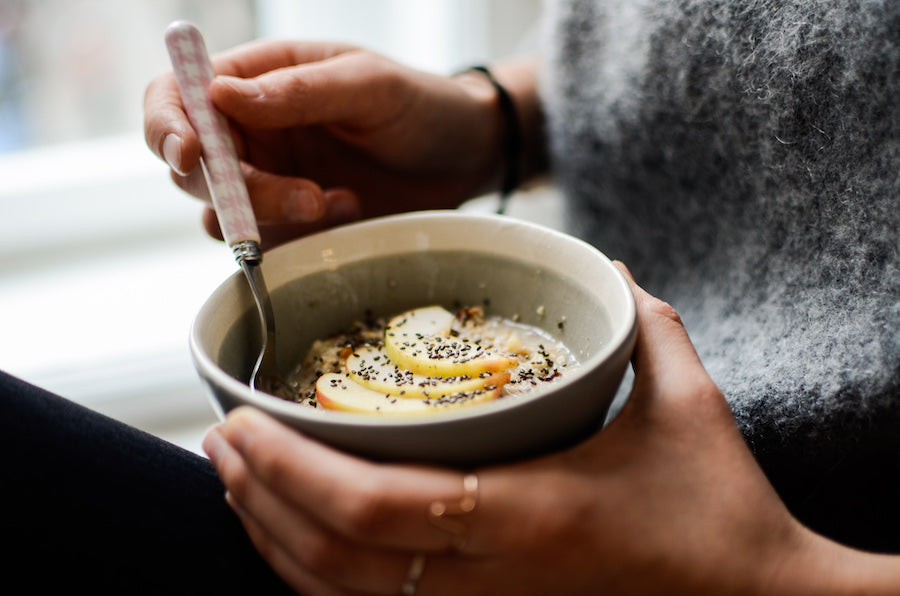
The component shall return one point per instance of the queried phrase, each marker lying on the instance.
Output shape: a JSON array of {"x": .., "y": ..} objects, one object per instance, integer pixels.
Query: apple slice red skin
[{"x": 338, "y": 392}]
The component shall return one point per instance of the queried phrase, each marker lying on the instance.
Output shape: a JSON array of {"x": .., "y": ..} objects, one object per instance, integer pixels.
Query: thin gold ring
[
  {"x": 416, "y": 569},
  {"x": 445, "y": 515}
]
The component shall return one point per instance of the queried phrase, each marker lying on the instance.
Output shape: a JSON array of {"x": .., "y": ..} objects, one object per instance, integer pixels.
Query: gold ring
[
  {"x": 416, "y": 568},
  {"x": 443, "y": 514}
]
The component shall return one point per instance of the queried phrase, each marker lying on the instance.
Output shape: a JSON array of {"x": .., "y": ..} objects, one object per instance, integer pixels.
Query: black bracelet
[{"x": 512, "y": 145}]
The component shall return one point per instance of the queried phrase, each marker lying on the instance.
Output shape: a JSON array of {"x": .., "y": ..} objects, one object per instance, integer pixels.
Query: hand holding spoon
[{"x": 222, "y": 170}]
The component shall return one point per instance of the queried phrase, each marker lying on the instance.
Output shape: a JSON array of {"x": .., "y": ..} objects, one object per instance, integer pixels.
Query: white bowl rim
[{"x": 622, "y": 338}]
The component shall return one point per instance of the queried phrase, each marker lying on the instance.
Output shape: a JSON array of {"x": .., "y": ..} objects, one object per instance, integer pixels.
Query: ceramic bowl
[{"x": 322, "y": 283}]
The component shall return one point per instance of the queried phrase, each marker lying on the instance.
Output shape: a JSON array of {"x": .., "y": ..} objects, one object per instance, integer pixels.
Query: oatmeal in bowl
[
  {"x": 426, "y": 360},
  {"x": 509, "y": 339}
]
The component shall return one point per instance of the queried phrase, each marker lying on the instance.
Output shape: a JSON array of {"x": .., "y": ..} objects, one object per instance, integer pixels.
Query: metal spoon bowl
[{"x": 265, "y": 376}]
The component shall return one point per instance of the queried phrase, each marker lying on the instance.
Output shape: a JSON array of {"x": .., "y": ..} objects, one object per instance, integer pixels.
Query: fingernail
[
  {"x": 237, "y": 424},
  {"x": 213, "y": 444},
  {"x": 172, "y": 152},
  {"x": 245, "y": 87},
  {"x": 232, "y": 502},
  {"x": 343, "y": 206},
  {"x": 624, "y": 269},
  {"x": 302, "y": 205}
]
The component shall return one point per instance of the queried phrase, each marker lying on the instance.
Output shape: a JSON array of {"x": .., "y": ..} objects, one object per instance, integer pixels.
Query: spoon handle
[{"x": 194, "y": 73}]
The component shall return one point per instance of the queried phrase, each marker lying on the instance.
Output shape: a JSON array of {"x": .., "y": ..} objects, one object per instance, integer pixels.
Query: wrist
[
  {"x": 514, "y": 141},
  {"x": 818, "y": 565},
  {"x": 511, "y": 149},
  {"x": 489, "y": 159}
]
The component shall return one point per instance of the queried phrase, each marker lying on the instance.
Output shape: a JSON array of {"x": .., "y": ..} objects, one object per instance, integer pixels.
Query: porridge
[{"x": 427, "y": 359}]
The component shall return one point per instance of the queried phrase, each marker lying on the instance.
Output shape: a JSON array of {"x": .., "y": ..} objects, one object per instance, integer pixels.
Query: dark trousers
[{"x": 89, "y": 502}]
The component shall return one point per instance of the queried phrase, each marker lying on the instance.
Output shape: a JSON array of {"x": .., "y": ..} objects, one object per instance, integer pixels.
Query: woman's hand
[
  {"x": 666, "y": 499},
  {"x": 329, "y": 133}
]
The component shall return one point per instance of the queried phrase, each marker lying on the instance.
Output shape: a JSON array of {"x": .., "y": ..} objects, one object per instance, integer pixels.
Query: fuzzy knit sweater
[{"x": 743, "y": 159}]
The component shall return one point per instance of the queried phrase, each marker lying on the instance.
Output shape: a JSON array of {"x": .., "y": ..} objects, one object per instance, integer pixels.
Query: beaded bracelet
[{"x": 512, "y": 142}]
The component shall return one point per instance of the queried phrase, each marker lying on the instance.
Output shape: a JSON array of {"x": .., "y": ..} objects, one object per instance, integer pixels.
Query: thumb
[
  {"x": 344, "y": 89},
  {"x": 664, "y": 360}
]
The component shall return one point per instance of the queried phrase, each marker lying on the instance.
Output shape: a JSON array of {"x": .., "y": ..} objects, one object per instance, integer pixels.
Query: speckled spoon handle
[
  {"x": 230, "y": 198},
  {"x": 219, "y": 160}
]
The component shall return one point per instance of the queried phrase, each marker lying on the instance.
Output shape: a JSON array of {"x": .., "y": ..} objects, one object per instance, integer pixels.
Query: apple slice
[
  {"x": 339, "y": 392},
  {"x": 371, "y": 367},
  {"x": 420, "y": 341},
  {"x": 428, "y": 320}
]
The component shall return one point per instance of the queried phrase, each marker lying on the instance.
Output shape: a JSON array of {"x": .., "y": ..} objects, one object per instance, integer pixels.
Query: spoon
[{"x": 222, "y": 170}]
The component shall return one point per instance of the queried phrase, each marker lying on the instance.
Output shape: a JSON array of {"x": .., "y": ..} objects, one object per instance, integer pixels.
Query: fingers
[
  {"x": 663, "y": 348},
  {"x": 322, "y": 518},
  {"x": 305, "y": 581},
  {"x": 280, "y": 199},
  {"x": 340, "y": 206},
  {"x": 667, "y": 369},
  {"x": 276, "y": 199},
  {"x": 295, "y": 576},
  {"x": 285, "y": 207},
  {"x": 283, "y": 199},
  {"x": 261, "y": 56},
  {"x": 356, "y": 88},
  {"x": 289, "y": 538},
  {"x": 365, "y": 502},
  {"x": 167, "y": 131}
]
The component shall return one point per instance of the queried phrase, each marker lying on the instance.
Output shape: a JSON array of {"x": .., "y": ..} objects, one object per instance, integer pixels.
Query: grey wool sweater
[{"x": 743, "y": 159}]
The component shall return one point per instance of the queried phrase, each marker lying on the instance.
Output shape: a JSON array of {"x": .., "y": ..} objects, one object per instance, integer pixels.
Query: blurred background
[{"x": 105, "y": 262}]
